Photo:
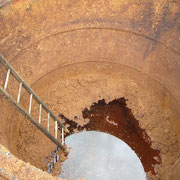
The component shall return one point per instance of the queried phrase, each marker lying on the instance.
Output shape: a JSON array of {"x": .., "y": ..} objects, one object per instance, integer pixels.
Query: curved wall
[{"x": 135, "y": 44}]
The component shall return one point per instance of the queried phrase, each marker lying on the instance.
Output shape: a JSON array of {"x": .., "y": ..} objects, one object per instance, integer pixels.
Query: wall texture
[{"x": 91, "y": 48}]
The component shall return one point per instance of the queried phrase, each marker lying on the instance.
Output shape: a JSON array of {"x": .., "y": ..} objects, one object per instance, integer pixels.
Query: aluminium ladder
[
  {"x": 42, "y": 105},
  {"x": 4, "y": 2}
]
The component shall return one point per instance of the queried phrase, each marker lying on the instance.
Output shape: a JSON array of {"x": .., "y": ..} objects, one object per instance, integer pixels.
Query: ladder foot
[{"x": 66, "y": 152}]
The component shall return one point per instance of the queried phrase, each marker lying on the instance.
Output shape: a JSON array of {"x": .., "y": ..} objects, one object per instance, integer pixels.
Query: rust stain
[{"x": 116, "y": 119}]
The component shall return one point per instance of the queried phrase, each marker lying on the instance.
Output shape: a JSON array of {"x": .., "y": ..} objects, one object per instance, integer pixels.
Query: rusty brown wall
[{"x": 41, "y": 37}]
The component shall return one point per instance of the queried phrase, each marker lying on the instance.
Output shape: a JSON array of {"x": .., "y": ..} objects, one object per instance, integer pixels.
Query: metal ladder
[
  {"x": 42, "y": 105},
  {"x": 4, "y": 2}
]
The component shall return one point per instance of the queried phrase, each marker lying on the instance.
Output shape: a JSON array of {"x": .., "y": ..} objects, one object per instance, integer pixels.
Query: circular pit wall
[{"x": 74, "y": 60}]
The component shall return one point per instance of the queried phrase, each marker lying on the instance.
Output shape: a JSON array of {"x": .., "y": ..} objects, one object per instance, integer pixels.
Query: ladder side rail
[
  {"x": 30, "y": 91},
  {"x": 23, "y": 111},
  {"x": 3, "y": 3}
]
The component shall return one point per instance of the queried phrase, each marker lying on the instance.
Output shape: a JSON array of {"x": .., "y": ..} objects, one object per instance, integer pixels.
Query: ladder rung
[
  {"x": 62, "y": 136},
  {"x": 56, "y": 129},
  {"x": 19, "y": 93},
  {"x": 30, "y": 103},
  {"x": 48, "y": 121},
  {"x": 40, "y": 110},
  {"x": 7, "y": 79}
]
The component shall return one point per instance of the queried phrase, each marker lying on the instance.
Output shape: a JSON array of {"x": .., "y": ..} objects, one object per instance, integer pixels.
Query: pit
[{"x": 106, "y": 67}]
